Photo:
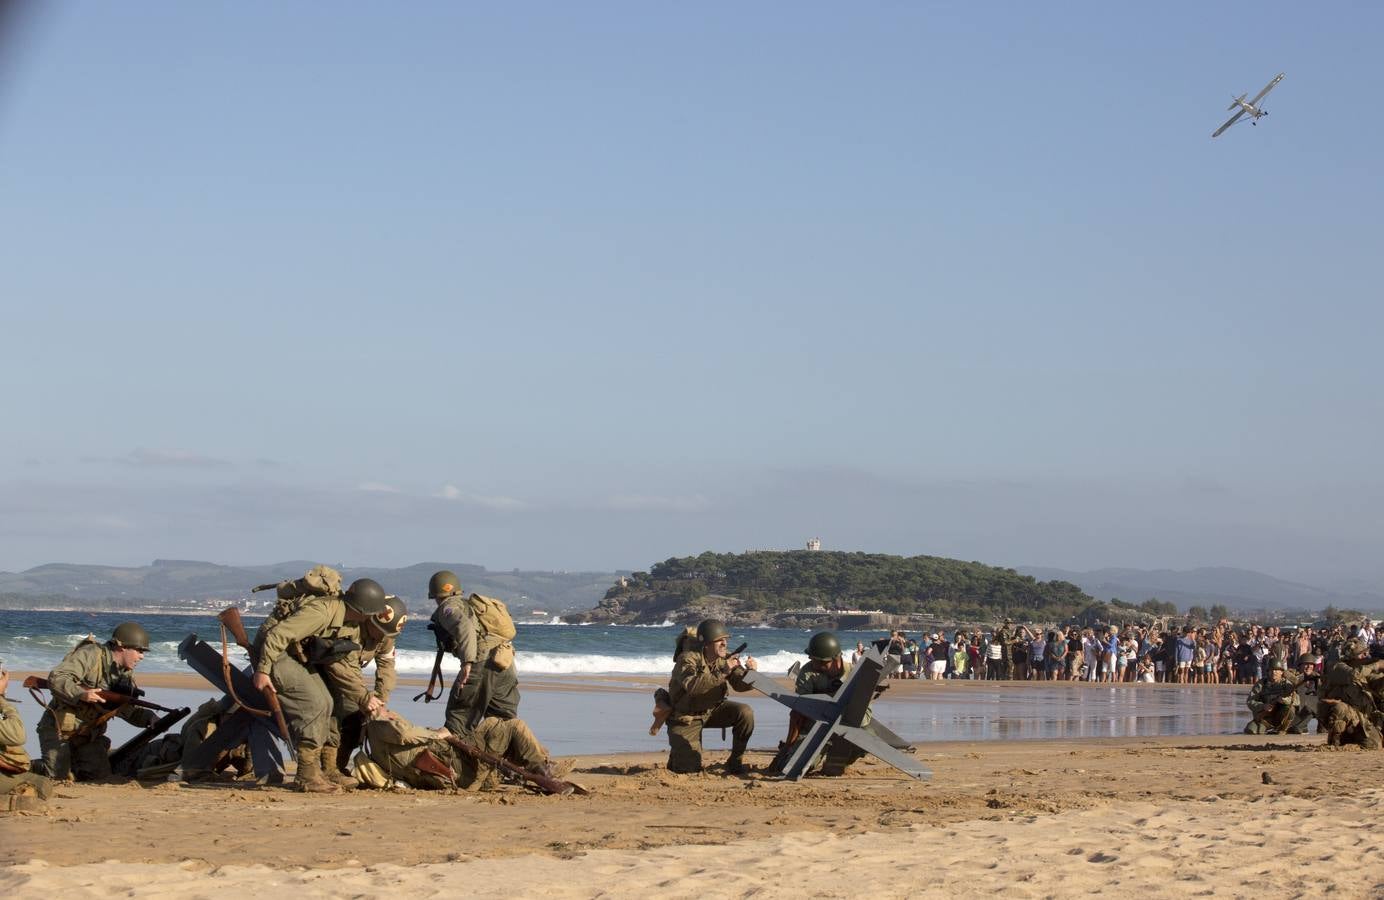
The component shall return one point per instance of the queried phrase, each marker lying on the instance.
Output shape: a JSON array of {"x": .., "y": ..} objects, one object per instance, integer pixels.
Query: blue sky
[{"x": 587, "y": 286}]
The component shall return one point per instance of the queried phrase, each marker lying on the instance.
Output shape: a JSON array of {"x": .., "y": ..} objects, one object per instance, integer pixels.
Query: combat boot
[
  {"x": 331, "y": 769},
  {"x": 735, "y": 764},
  {"x": 309, "y": 778}
]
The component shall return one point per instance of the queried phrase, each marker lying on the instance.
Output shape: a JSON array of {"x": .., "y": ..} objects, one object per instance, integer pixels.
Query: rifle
[
  {"x": 542, "y": 782},
  {"x": 435, "y": 679},
  {"x": 230, "y": 620},
  {"x": 112, "y": 701},
  {"x": 139, "y": 741}
]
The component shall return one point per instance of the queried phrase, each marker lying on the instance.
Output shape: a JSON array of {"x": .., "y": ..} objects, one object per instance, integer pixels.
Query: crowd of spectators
[{"x": 1224, "y": 653}]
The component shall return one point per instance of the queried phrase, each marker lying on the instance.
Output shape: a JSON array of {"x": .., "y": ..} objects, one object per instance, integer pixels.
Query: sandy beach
[{"x": 1217, "y": 816}]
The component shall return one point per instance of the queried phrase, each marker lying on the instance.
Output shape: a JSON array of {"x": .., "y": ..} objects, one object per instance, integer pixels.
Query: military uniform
[
  {"x": 492, "y": 690},
  {"x": 281, "y": 651},
  {"x": 1273, "y": 705},
  {"x": 20, "y": 789},
  {"x": 72, "y": 737},
  {"x": 698, "y": 689},
  {"x": 345, "y": 681},
  {"x": 1347, "y": 711},
  {"x": 395, "y": 744},
  {"x": 839, "y": 753}
]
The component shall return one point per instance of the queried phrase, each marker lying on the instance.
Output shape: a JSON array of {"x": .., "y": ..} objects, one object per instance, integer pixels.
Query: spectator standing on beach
[
  {"x": 973, "y": 658},
  {"x": 858, "y": 652},
  {"x": 1054, "y": 655},
  {"x": 994, "y": 659},
  {"x": 959, "y": 657},
  {"x": 937, "y": 652},
  {"x": 1038, "y": 657}
]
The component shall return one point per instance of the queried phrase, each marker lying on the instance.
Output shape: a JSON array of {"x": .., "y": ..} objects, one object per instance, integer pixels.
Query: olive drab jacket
[
  {"x": 1266, "y": 694},
  {"x": 13, "y": 759},
  {"x": 295, "y": 620},
  {"x": 811, "y": 681},
  {"x": 89, "y": 666},
  {"x": 697, "y": 686},
  {"x": 454, "y": 614},
  {"x": 345, "y": 679}
]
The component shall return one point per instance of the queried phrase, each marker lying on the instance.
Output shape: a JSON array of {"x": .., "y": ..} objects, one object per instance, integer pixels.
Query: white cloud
[
  {"x": 504, "y": 504},
  {"x": 375, "y": 487}
]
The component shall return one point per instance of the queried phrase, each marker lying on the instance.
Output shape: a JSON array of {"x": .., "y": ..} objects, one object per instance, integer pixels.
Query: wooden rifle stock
[
  {"x": 230, "y": 621},
  {"x": 39, "y": 683},
  {"x": 542, "y": 782}
]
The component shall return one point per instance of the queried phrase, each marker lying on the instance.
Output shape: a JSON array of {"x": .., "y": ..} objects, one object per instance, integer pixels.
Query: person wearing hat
[
  {"x": 1273, "y": 702},
  {"x": 351, "y": 702},
  {"x": 72, "y": 731},
  {"x": 825, "y": 672},
  {"x": 302, "y": 634},
  {"x": 702, "y": 676}
]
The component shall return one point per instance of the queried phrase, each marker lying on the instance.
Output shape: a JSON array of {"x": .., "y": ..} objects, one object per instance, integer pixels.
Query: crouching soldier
[
  {"x": 1346, "y": 707},
  {"x": 20, "y": 789},
  {"x": 697, "y": 690},
  {"x": 824, "y": 673},
  {"x": 1273, "y": 702},
  {"x": 297, "y": 636},
  {"x": 72, "y": 732},
  {"x": 423, "y": 757}
]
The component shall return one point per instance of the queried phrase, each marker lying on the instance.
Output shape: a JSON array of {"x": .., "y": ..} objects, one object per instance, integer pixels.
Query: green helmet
[
  {"x": 443, "y": 584},
  {"x": 365, "y": 596},
  {"x": 131, "y": 635},
  {"x": 1278, "y": 663},
  {"x": 398, "y": 613},
  {"x": 823, "y": 647},
  {"x": 712, "y": 630}
]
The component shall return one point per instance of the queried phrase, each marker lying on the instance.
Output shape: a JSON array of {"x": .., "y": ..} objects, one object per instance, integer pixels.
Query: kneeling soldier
[
  {"x": 72, "y": 732},
  {"x": 697, "y": 692},
  {"x": 824, "y": 673},
  {"x": 1273, "y": 701}
]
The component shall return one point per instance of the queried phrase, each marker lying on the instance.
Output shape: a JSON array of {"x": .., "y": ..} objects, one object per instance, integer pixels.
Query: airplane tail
[{"x": 1236, "y": 102}]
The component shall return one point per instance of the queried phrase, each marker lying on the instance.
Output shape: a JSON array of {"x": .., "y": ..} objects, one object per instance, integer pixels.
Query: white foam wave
[{"x": 418, "y": 662}]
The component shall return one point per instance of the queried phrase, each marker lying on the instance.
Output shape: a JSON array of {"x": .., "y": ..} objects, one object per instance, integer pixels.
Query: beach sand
[{"x": 1163, "y": 816}]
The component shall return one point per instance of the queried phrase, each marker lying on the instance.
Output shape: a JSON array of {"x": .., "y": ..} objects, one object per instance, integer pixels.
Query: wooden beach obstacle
[{"x": 844, "y": 715}]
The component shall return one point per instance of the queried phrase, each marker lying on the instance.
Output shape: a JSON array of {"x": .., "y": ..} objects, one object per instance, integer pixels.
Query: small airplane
[{"x": 1255, "y": 111}]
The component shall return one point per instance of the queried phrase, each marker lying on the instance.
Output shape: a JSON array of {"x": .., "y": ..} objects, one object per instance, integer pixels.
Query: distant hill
[
  {"x": 175, "y": 582},
  {"x": 764, "y": 587},
  {"x": 1238, "y": 589}
]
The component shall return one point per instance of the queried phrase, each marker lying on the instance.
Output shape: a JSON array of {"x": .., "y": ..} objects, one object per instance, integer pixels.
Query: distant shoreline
[{"x": 126, "y": 612}]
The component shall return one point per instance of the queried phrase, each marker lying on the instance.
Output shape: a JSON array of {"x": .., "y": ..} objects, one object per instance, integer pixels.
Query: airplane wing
[
  {"x": 1268, "y": 87},
  {"x": 1231, "y": 121}
]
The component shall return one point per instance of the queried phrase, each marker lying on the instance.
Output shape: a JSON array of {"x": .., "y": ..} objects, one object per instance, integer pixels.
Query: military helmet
[
  {"x": 1355, "y": 649},
  {"x": 132, "y": 636},
  {"x": 365, "y": 596},
  {"x": 443, "y": 584},
  {"x": 397, "y": 611},
  {"x": 712, "y": 630},
  {"x": 1278, "y": 663},
  {"x": 823, "y": 646}
]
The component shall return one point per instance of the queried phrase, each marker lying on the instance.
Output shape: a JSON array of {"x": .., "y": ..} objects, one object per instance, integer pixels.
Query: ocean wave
[{"x": 418, "y": 662}]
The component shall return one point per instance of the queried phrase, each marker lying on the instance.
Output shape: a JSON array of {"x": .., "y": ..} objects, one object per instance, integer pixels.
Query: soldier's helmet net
[
  {"x": 824, "y": 646},
  {"x": 1278, "y": 664},
  {"x": 131, "y": 635},
  {"x": 443, "y": 584},
  {"x": 712, "y": 630},
  {"x": 365, "y": 596}
]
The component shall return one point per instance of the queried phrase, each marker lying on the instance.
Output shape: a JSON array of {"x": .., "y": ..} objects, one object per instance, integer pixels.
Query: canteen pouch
[{"x": 502, "y": 657}]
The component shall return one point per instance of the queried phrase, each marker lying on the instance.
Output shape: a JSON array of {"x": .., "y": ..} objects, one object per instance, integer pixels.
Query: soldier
[
  {"x": 697, "y": 692},
  {"x": 824, "y": 673},
  {"x": 72, "y": 731},
  {"x": 301, "y": 633},
  {"x": 1004, "y": 636},
  {"x": 1346, "y": 709},
  {"x": 352, "y": 702},
  {"x": 20, "y": 789},
  {"x": 412, "y": 755},
  {"x": 487, "y": 684},
  {"x": 1273, "y": 701}
]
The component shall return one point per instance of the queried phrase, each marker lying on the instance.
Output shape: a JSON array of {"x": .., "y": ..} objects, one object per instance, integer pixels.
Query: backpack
[
  {"x": 492, "y": 618},
  {"x": 319, "y": 581}
]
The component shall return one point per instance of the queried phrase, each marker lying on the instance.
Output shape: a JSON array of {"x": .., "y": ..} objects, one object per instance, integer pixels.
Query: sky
[{"x": 587, "y": 286}]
